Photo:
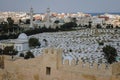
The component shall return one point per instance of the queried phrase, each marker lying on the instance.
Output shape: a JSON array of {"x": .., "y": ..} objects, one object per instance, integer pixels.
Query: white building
[
  {"x": 19, "y": 44},
  {"x": 95, "y": 20},
  {"x": 83, "y": 20}
]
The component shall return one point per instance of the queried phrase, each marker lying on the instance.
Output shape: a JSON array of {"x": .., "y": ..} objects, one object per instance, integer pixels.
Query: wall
[
  {"x": 35, "y": 69},
  {"x": 53, "y": 58}
]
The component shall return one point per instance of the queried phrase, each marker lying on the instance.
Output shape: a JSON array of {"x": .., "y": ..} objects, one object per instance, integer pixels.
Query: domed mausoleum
[
  {"x": 20, "y": 44},
  {"x": 22, "y": 36}
]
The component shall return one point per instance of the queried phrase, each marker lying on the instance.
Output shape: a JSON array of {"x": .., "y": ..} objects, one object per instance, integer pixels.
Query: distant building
[
  {"x": 83, "y": 20},
  {"x": 48, "y": 21},
  {"x": 97, "y": 20}
]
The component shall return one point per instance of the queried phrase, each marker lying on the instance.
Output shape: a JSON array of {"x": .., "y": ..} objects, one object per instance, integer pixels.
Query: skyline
[{"x": 66, "y": 6}]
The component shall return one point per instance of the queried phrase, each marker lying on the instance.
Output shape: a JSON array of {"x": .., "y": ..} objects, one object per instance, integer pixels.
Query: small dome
[{"x": 23, "y": 36}]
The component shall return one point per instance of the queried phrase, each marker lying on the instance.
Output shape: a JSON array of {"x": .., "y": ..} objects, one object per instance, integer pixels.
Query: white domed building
[
  {"x": 22, "y": 36},
  {"x": 20, "y": 44}
]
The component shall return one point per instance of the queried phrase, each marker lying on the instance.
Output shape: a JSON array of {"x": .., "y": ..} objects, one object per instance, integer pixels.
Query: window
[
  {"x": 20, "y": 48},
  {"x": 16, "y": 47},
  {"x": 48, "y": 70}
]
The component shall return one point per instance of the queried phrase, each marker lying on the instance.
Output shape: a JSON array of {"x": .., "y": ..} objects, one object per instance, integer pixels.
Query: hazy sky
[{"x": 61, "y": 5}]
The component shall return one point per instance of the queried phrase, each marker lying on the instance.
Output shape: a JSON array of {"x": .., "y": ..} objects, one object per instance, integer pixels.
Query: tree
[
  {"x": 56, "y": 21},
  {"x": 10, "y": 23},
  {"x": 20, "y": 21},
  {"x": 89, "y": 24},
  {"x": 21, "y": 55},
  {"x": 1, "y": 51},
  {"x": 117, "y": 27},
  {"x": 98, "y": 26},
  {"x": 9, "y": 50},
  {"x": 33, "y": 42},
  {"x": 74, "y": 20},
  {"x": 4, "y": 26},
  {"x": 69, "y": 25},
  {"x": 109, "y": 26},
  {"x": 29, "y": 55},
  {"x": 110, "y": 53},
  {"x": 79, "y": 25},
  {"x": 27, "y": 21}
]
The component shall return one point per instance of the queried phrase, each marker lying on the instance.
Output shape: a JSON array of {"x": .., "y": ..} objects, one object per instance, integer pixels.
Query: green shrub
[{"x": 29, "y": 55}]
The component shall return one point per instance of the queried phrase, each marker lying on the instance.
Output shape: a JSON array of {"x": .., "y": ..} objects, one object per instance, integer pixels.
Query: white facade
[
  {"x": 21, "y": 46},
  {"x": 96, "y": 20},
  {"x": 21, "y": 43},
  {"x": 83, "y": 20}
]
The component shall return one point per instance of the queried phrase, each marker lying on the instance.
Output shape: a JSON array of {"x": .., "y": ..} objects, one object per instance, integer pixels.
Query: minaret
[
  {"x": 48, "y": 15},
  {"x": 31, "y": 18},
  {"x": 48, "y": 18}
]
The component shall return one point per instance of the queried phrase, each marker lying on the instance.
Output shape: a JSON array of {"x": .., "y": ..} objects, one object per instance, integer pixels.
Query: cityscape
[{"x": 57, "y": 45}]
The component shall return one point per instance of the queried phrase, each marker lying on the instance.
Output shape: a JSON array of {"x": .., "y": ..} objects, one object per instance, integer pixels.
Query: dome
[{"x": 23, "y": 36}]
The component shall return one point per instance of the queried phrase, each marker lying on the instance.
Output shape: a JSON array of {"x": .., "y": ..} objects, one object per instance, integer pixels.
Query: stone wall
[{"x": 49, "y": 66}]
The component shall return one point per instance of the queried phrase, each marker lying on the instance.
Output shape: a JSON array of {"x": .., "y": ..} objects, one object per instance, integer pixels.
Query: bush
[
  {"x": 29, "y": 55},
  {"x": 21, "y": 55},
  {"x": 68, "y": 26},
  {"x": 9, "y": 50},
  {"x": 33, "y": 42},
  {"x": 110, "y": 53},
  {"x": 98, "y": 26}
]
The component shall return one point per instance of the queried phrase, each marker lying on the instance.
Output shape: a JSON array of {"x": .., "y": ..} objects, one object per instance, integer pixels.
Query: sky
[{"x": 67, "y": 6}]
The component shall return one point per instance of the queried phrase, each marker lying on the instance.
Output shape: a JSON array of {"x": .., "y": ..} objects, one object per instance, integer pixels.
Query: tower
[
  {"x": 31, "y": 17},
  {"x": 48, "y": 24},
  {"x": 48, "y": 15}
]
